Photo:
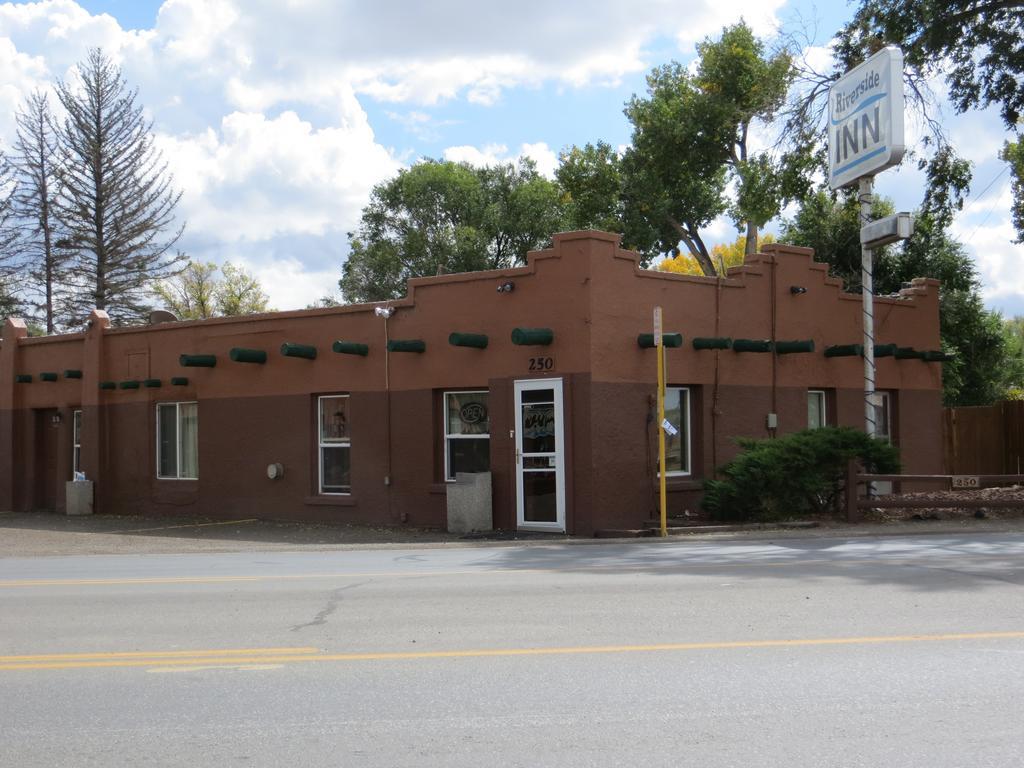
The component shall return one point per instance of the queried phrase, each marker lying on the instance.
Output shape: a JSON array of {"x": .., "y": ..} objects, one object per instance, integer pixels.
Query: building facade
[{"x": 540, "y": 375}]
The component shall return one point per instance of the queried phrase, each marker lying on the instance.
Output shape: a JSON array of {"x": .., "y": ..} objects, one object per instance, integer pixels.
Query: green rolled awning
[
  {"x": 712, "y": 342},
  {"x": 48, "y": 376},
  {"x": 532, "y": 337},
  {"x": 646, "y": 340},
  {"x": 407, "y": 345},
  {"x": 751, "y": 345},
  {"x": 244, "y": 355},
  {"x": 179, "y": 381},
  {"x": 475, "y": 340},
  {"x": 907, "y": 353},
  {"x": 885, "y": 350},
  {"x": 129, "y": 384},
  {"x": 844, "y": 350},
  {"x": 793, "y": 347},
  {"x": 23, "y": 378},
  {"x": 152, "y": 383},
  {"x": 937, "y": 356},
  {"x": 108, "y": 385},
  {"x": 72, "y": 373},
  {"x": 198, "y": 361},
  {"x": 305, "y": 351},
  {"x": 350, "y": 348}
]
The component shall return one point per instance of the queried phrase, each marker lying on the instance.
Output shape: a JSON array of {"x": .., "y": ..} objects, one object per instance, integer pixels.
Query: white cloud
[
  {"x": 496, "y": 154},
  {"x": 256, "y": 177},
  {"x": 291, "y": 284}
]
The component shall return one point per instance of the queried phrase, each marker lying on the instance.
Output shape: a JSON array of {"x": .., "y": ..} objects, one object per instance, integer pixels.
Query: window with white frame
[
  {"x": 677, "y": 446},
  {"x": 177, "y": 441},
  {"x": 76, "y": 439},
  {"x": 816, "y": 416},
  {"x": 467, "y": 433},
  {"x": 335, "y": 444}
]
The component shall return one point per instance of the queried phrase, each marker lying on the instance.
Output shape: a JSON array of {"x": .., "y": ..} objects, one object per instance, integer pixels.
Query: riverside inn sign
[{"x": 865, "y": 111}]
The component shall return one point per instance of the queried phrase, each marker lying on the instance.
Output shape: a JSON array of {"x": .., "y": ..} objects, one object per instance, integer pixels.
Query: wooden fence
[
  {"x": 856, "y": 481},
  {"x": 986, "y": 439}
]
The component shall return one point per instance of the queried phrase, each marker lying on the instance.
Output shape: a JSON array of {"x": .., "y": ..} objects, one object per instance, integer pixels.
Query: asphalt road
[{"x": 801, "y": 652}]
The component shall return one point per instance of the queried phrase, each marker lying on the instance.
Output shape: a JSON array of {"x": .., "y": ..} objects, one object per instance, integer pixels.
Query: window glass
[
  {"x": 883, "y": 417},
  {"x": 177, "y": 436},
  {"x": 816, "y": 409},
  {"x": 188, "y": 441},
  {"x": 335, "y": 443},
  {"x": 677, "y": 446},
  {"x": 167, "y": 440},
  {"x": 334, "y": 419},
  {"x": 467, "y": 433}
]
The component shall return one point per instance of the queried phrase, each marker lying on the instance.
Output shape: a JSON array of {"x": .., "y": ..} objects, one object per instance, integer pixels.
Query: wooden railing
[{"x": 855, "y": 503}]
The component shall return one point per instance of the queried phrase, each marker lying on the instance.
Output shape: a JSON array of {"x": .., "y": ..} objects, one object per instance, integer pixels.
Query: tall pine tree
[
  {"x": 116, "y": 200},
  {"x": 35, "y": 163}
]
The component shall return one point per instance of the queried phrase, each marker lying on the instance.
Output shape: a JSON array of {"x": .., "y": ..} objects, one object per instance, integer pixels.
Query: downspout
[
  {"x": 775, "y": 357},
  {"x": 386, "y": 312},
  {"x": 714, "y": 389}
]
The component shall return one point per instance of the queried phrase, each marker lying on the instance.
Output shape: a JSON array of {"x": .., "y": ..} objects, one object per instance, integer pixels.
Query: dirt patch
[{"x": 942, "y": 510}]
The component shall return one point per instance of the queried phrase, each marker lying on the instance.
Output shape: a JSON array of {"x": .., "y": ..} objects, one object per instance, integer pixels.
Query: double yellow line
[{"x": 240, "y": 657}]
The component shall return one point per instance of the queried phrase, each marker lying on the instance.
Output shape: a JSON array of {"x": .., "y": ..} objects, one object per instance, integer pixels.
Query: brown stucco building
[{"x": 363, "y": 417}]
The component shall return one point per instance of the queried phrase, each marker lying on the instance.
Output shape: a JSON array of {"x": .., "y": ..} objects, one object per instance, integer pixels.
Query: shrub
[{"x": 793, "y": 476}]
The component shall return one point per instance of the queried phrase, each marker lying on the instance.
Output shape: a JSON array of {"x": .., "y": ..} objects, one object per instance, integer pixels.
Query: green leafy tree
[
  {"x": 239, "y": 292},
  {"x": 829, "y": 224},
  {"x": 1013, "y": 153},
  {"x": 976, "y": 46},
  {"x": 115, "y": 198},
  {"x": 691, "y": 137},
  {"x": 591, "y": 182},
  {"x": 1013, "y": 377},
  {"x": 440, "y": 216},
  {"x": 197, "y": 292}
]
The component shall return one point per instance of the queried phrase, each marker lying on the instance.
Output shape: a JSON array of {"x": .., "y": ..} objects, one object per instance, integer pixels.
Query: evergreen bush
[{"x": 797, "y": 475}]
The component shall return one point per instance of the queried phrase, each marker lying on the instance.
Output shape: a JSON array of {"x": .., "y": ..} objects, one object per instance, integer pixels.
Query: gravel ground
[{"x": 42, "y": 534}]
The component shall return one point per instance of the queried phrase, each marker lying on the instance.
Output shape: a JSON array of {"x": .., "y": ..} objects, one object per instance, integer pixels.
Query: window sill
[{"x": 329, "y": 501}]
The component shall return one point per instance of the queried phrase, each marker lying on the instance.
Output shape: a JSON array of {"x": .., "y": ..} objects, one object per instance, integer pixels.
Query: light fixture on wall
[
  {"x": 797, "y": 289},
  {"x": 506, "y": 287},
  {"x": 384, "y": 312}
]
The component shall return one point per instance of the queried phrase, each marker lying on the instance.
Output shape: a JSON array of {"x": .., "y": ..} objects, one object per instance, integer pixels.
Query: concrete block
[
  {"x": 469, "y": 503},
  {"x": 79, "y": 497}
]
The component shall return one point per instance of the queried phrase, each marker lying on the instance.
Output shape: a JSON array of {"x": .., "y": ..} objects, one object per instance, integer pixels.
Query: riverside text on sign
[{"x": 865, "y": 110}]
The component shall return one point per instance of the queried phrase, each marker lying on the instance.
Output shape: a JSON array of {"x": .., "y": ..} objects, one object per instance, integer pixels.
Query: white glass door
[{"x": 540, "y": 455}]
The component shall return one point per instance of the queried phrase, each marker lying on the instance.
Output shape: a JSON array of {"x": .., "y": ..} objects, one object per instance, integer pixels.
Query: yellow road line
[
  {"x": 924, "y": 561},
  {"x": 200, "y": 658},
  {"x": 156, "y": 654}
]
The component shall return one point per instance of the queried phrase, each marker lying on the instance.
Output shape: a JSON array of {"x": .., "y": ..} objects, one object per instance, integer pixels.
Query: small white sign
[
  {"x": 865, "y": 119},
  {"x": 657, "y": 326},
  {"x": 669, "y": 429}
]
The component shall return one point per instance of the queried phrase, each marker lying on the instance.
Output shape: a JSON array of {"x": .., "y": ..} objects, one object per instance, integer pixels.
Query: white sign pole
[
  {"x": 867, "y": 282},
  {"x": 659, "y": 348},
  {"x": 865, "y": 137}
]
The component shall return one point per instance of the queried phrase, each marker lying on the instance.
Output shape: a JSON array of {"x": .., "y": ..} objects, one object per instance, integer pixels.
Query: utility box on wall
[
  {"x": 469, "y": 503},
  {"x": 79, "y": 497}
]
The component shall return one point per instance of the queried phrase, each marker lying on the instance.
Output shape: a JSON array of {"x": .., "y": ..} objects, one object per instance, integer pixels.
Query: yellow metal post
[{"x": 660, "y": 349}]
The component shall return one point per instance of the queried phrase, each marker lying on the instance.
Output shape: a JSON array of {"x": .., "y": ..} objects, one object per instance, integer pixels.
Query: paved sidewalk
[{"x": 42, "y": 534}]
